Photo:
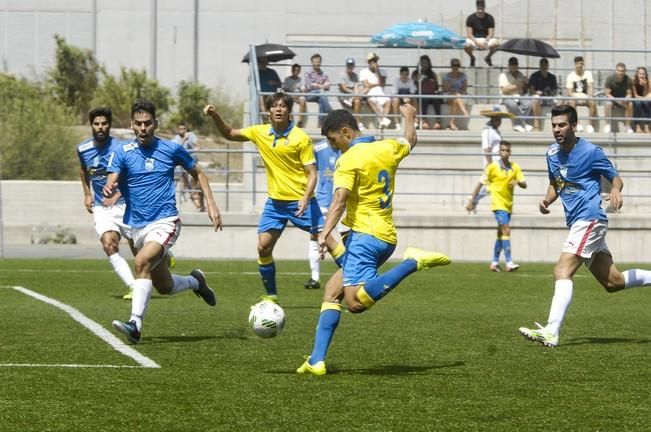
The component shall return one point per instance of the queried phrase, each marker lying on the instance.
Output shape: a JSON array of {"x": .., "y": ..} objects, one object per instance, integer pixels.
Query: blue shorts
[
  {"x": 276, "y": 213},
  {"x": 502, "y": 217},
  {"x": 364, "y": 255}
]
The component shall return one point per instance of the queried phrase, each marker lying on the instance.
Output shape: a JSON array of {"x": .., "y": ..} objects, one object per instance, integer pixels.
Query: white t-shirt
[
  {"x": 372, "y": 78},
  {"x": 490, "y": 140},
  {"x": 578, "y": 83}
]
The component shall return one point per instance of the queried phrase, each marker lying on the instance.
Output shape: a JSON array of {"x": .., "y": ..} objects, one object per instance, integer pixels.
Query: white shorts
[
  {"x": 492, "y": 42},
  {"x": 164, "y": 232},
  {"x": 586, "y": 239},
  {"x": 110, "y": 219}
]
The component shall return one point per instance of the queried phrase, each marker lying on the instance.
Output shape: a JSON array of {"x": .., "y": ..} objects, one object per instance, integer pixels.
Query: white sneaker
[
  {"x": 511, "y": 267},
  {"x": 607, "y": 129},
  {"x": 528, "y": 128},
  {"x": 629, "y": 130},
  {"x": 518, "y": 128},
  {"x": 541, "y": 335},
  {"x": 361, "y": 127},
  {"x": 398, "y": 127},
  {"x": 579, "y": 128},
  {"x": 590, "y": 129},
  {"x": 385, "y": 122}
]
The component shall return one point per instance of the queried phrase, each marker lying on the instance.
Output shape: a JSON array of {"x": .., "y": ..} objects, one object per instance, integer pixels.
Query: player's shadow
[
  {"x": 301, "y": 307},
  {"x": 395, "y": 369},
  {"x": 192, "y": 339},
  {"x": 605, "y": 341}
]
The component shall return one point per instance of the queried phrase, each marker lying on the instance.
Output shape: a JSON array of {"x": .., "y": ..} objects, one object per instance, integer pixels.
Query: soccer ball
[{"x": 267, "y": 319}]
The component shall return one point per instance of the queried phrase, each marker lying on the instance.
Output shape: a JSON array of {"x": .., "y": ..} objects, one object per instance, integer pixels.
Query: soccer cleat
[
  {"x": 511, "y": 267},
  {"x": 540, "y": 335},
  {"x": 269, "y": 297},
  {"x": 203, "y": 291},
  {"x": 129, "y": 329},
  {"x": 312, "y": 284},
  {"x": 426, "y": 259},
  {"x": 318, "y": 369},
  {"x": 495, "y": 268},
  {"x": 128, "y": 296},
  {"x": 171, "y": 260}
]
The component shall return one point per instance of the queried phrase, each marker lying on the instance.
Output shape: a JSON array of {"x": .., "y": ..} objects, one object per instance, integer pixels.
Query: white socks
[
  {"x": 121, "y": 267},
  {"x": 182, "y": 283},
  {"x": 560, "y": 302},
  {"x": 141, "y": 293},
  {"x": 637, "y": 278},
  {"x": 315, "y": 259}
]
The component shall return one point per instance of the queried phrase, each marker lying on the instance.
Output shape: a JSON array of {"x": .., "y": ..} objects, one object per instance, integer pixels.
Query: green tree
[
  {"x": 74, "y": 78},
  {"x": 37, "y": 140},
  {"x": 121, "y": 92},
  {"x": 190, "y": 100}
]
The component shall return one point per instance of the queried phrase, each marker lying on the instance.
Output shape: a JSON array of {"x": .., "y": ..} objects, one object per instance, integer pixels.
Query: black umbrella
[
  {"x": 273, "y": 52},
  {"x": 531, "y": 47}
]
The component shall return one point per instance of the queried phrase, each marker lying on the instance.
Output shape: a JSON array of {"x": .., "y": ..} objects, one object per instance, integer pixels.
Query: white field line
[
  {"x": 65, "y": 365},
  {"x": 248, "y": 273},
  {"x": 94, "y": 327}
]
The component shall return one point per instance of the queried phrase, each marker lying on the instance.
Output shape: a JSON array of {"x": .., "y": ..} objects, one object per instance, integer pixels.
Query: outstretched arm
[
  {"x": 226, "y": 130},
  {"x": 408, "y": 111}
]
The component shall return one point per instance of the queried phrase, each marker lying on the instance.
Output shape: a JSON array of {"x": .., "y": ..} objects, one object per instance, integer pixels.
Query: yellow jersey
[
  {"x": 285, "y": 156},
  {"x": 499, "y": 178},
  {"x": 367, "y": 170}
]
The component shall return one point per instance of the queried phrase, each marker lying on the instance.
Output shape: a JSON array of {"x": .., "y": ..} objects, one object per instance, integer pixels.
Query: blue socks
[
  {"x": 382, "y": 285},
  {"x": 325, "y": 330},
  {"x": 267, "y": 269},
  {"x": 497, "y": 249},
  {"x": 506, "y": 245}
]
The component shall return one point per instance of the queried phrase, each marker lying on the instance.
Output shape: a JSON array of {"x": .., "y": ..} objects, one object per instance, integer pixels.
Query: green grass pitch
[{"x": 440, "y": 353}]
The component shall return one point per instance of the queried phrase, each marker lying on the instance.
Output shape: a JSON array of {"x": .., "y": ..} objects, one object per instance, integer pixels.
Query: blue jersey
[
  {"x": 94, "y": 161},
  {"x": 147, "y": 179},
  {"x": 577, "y": 176},
  {"x": 326, "y": 159}
]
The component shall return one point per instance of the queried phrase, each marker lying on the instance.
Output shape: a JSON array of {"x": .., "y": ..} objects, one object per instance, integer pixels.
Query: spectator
[
  {"x": 619, "y": 85},
  {"x": 579, "y": 84},
  {"x": 480, "y": 31},
  {"x": 190, "y": 142},
  {"x": 403, "y": 88},
  {"x": 455, "y": 83},
  {"x": 373, "y": 79},
  {"x": 642, "y": 104},
  {"x": 514, "y": 84},
  {"x": 428, "y": 85},
  {"x": 294, "y": 84},
  {"x": 317, "y": 82},
  {"x": 542, "y": 83},
  {"x": 269, "y": 81},
  {"x": 349, "y": 84}
]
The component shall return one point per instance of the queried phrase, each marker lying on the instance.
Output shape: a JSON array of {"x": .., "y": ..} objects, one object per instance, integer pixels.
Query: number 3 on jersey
[{"x": 384, "y": 178}]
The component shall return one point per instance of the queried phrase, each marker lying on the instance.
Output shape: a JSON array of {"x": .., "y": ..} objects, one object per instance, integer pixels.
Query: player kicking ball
[
  {"x": 364, "y": 182},
  {"x": 575, "y": 167}
]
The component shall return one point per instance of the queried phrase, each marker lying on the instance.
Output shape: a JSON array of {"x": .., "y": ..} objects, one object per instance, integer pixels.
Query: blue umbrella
[{"x": 418, "y": 35}]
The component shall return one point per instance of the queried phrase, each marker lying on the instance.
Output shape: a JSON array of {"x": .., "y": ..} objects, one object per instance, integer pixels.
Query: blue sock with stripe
[
  {"x": 497, "y": 249},
  {"x": 506, "y": 245},
  {"x": 382, "y": 285},
  {"x": 325, "y": 330},
  {"x": 267, "y": 269}
]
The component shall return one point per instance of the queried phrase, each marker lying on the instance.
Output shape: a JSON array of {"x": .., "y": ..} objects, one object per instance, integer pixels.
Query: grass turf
[{"x": 440, "y": 353}]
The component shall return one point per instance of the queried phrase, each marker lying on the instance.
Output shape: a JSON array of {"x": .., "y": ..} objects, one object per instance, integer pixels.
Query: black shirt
[
  {"x": 547, "y": 85},
  {"x": 480, "y": 26}
]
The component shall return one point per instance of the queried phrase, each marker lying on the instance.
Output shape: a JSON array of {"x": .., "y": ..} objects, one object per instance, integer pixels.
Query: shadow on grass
[
  {"x": 300, "y": 307},
  {"x": 384, "y": 370},
  {"x": 605, "y": 341},
  {"x": 191, "y": 339}
]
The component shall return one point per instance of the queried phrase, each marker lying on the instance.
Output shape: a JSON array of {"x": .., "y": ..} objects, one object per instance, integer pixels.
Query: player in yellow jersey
[
  {"x": 364, "y": 182},
  {"x": 502, "y": 176},
  {"x": 289, "y": 162}
]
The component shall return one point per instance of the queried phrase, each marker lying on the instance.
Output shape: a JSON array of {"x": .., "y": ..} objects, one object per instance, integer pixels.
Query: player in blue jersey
[
  {"x": 326, "y": 158},
  {"x": 288, "y": 156},
  {"x": 107, "y": 213},
  {"x": 144, "y": 169},
  {"x": 575, "y": 167},
  {"x": 364, "y": 182}
]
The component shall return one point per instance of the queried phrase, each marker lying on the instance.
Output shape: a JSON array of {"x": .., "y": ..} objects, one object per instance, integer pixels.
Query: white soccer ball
[{"x": 267, "y": 319}]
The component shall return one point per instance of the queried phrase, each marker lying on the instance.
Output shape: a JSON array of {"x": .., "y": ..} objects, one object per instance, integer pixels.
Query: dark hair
[
  {"x": 315, "y": 56},
  {"x": 100, "y": 112},
  {"x": 544, "y": 60},
  {"x": 578, "y": 59},
  {"x": 288, "y": 100},
  {"x": 296, "y": 65},
  {"x": 338, "y": 119},
  {"x": 182, "y": 123},
  {"x": 428, "y": 72},
  {"x": 143, "y": 105},
  {"x": 505, "y": 143},
  {"x": 404, "y": 69},
  {"x": 567, "y": 110}
]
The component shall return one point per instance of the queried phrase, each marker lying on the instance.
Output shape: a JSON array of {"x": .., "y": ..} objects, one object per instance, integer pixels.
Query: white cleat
[{"x": 540, "y": 335}]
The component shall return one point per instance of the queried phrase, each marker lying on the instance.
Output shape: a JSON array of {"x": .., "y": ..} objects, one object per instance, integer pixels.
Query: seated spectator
[
  {"x": 317, "y": 82},
  {"x": 294, "y": 84},
  {"x": 542, "y": 83},
  {"x": 619, "y": 85},
  {"x": 269, "y": 83},
  {"x": 579, "y": 84},
  {"x": 642, "y": 102},
  {"x": 349, "y": 84},
  {"x": 514, "y": 84},
  {"x": 428, "y": 84},
  {"x": 455, "y": 83},
  {"x": 189, "y": 142},
  {"x": 373, "y": 80},
  {"x": 480, "y": 31},
  {"x": 403, "y": 88}
]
